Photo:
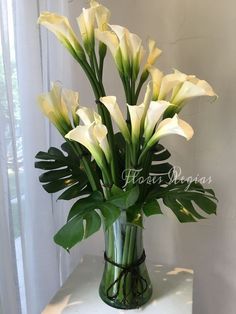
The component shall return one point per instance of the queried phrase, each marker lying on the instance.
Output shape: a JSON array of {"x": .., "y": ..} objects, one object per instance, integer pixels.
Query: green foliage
[
  {"x": 83, "y": 219},
  {"x": 152, "y": 208},
  {"x": 80, "y": 227},
  {"x": 124, "y": 199},
  {"x": 184, "y": 199},
  {"x": 63, "y": 171}
]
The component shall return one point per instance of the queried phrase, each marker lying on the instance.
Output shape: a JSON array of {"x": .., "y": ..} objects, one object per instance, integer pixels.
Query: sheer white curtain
[{"x": 32, "y": 267}]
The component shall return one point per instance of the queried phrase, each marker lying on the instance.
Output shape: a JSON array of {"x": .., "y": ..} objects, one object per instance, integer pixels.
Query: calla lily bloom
[
  {"x": 60, "y": 26},
  {"x": 112, "y": 42},
  {"x": 88, "y": 116},
  {"x": 102, "y": 15},
  {"x": 169, "y": 82},
  {"x": 131, "y": 48},
  {"x": 168, "y": 126},
  {"x": 136, "y": 115},
  {"x": 171, "y": 126},
  {"x": 71, "y": 99},
  {"x": 84, "y": 134},
  {"x": 178, "y": 87},
  {"x": 126, "y": 47},
  {"x": 100, "y": 132},
  {"x": 154, "y": 53},
  {"x": 192, "y": 88},
  {"x": 114, "y": 109},
  {"x": 57, "y": 105},
  {"x": 86, "y": 22},
  {"x": 156, "y": 76},
  {"x": 154, "y": 113}
]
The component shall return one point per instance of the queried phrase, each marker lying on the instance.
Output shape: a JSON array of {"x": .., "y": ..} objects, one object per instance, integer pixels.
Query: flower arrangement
[{"x": 94, "y": 163}]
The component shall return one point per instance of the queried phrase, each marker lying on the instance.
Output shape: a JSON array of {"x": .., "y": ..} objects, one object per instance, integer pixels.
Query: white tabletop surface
[{"x": 172, "y": 291}]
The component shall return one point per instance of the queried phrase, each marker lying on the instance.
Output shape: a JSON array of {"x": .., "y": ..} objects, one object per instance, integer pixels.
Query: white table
[{"x": 172, "y": 291}]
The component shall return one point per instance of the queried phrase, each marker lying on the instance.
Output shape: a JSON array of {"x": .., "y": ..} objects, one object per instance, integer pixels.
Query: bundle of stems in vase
[{"x": 126, "y": 172}]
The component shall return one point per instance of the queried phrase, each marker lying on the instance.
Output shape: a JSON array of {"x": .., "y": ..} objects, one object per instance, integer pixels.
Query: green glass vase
[{"x": 125, "y": 283}]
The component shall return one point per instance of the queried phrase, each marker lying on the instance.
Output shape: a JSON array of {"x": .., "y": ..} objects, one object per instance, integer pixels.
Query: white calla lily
[
  {"x": 125, "y": 47},
  {"x": 156, "y": 76},
  {"x": 168, "y": 126},
  {"x": 172, "y": 126},
  {"x": 71, "y": 99},
  {"x": 154, "y": 53},
  {"x": 58, "y": 105},
  {"x": 102, "y": 15},
  {"x": 88, "y": 116},
  {"x": 100, "y": 133},
  {"x": 169, "y": 82},
  {"x": 84, "y": 134},
  {"x": 192, "y": 88},
  {"x": 112, "y": 42},
  {"x": 146, "y": 102},
  {"x": 115, "y": 112},
  {"x": 86, "y": 22},
  {"x": 136, "y": 115},
  {"x": 131, "y": 48},
  {"x": 109, "y": 39},
  {"x": 60, "y": 26},
  {"x": 122, "y": 35},
  {"x": 154, "y": 113}
]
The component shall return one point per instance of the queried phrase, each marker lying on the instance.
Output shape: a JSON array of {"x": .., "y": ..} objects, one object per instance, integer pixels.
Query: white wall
[{"x": 197, "y": 37}]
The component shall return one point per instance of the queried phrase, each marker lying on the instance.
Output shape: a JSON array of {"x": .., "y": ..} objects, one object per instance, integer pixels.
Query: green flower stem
[
  {"x": 110, "y": 253},
  {"x": 95, "y": 62},
  {"x": 133, "y": 98},
  {"x": 99, "y": 91},
  {"x": 101, "y": 63},
  {"x": 146, "y": 168},
  {"x": 92, "y": 177},
  {"x": 144, "y": 152},
  {"x": 138, "y": 90}
]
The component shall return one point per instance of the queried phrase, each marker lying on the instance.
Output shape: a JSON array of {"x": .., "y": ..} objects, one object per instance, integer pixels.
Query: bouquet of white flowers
[{"x": 116, "y": 178}]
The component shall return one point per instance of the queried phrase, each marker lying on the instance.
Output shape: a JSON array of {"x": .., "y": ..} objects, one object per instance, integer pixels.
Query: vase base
[{"x": 121, "y": 306}]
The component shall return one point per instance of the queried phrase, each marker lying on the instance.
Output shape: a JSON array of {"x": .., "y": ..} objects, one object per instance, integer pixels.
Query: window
[{"x": 11, "y": 120}]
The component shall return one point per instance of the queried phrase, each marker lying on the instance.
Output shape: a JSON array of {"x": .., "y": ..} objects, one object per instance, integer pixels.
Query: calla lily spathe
[
  {"x": 172, "y": 126},
  {"x": 156, "y": 76},
  {"x": 110, "y": 39},
  {"x": 154, "y": 53},
  {"x": 86, "y": 22},
  {"x": 58, "y": 104},
  {"x": 169, "y": 82},
  {"x": 126, "y": 47},
  {"x": 100, "y": 132},
  {"x": 131, "y": 48},
  {"x": 192, "y": 88},
  {"x": 71, "y": 99},
  {"x": 154, "y": 113},
  {"x": 85, "y": 135},
  {"x": 102, "y": 15},
  {"x": 169, "y": 126},
  {"x": 88, "y": 116},
  {"x": 115, "y": 112},
  {"x": 136, "y": 115},
  {"x": 178, "y": 87},
  {"x": 60, "y": 26}
]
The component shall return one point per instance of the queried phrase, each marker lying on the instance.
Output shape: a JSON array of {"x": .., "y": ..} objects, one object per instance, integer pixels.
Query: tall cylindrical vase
[{"x": 125, "y": 283}]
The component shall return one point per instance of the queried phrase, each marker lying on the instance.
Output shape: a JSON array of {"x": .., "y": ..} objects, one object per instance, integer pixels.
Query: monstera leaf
[
  {"x": 62, "y": 172},
  {"x": 84, "y": 220},
  {"x": 160, "y": 168},
  {"x": 185, "y": 199}
]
